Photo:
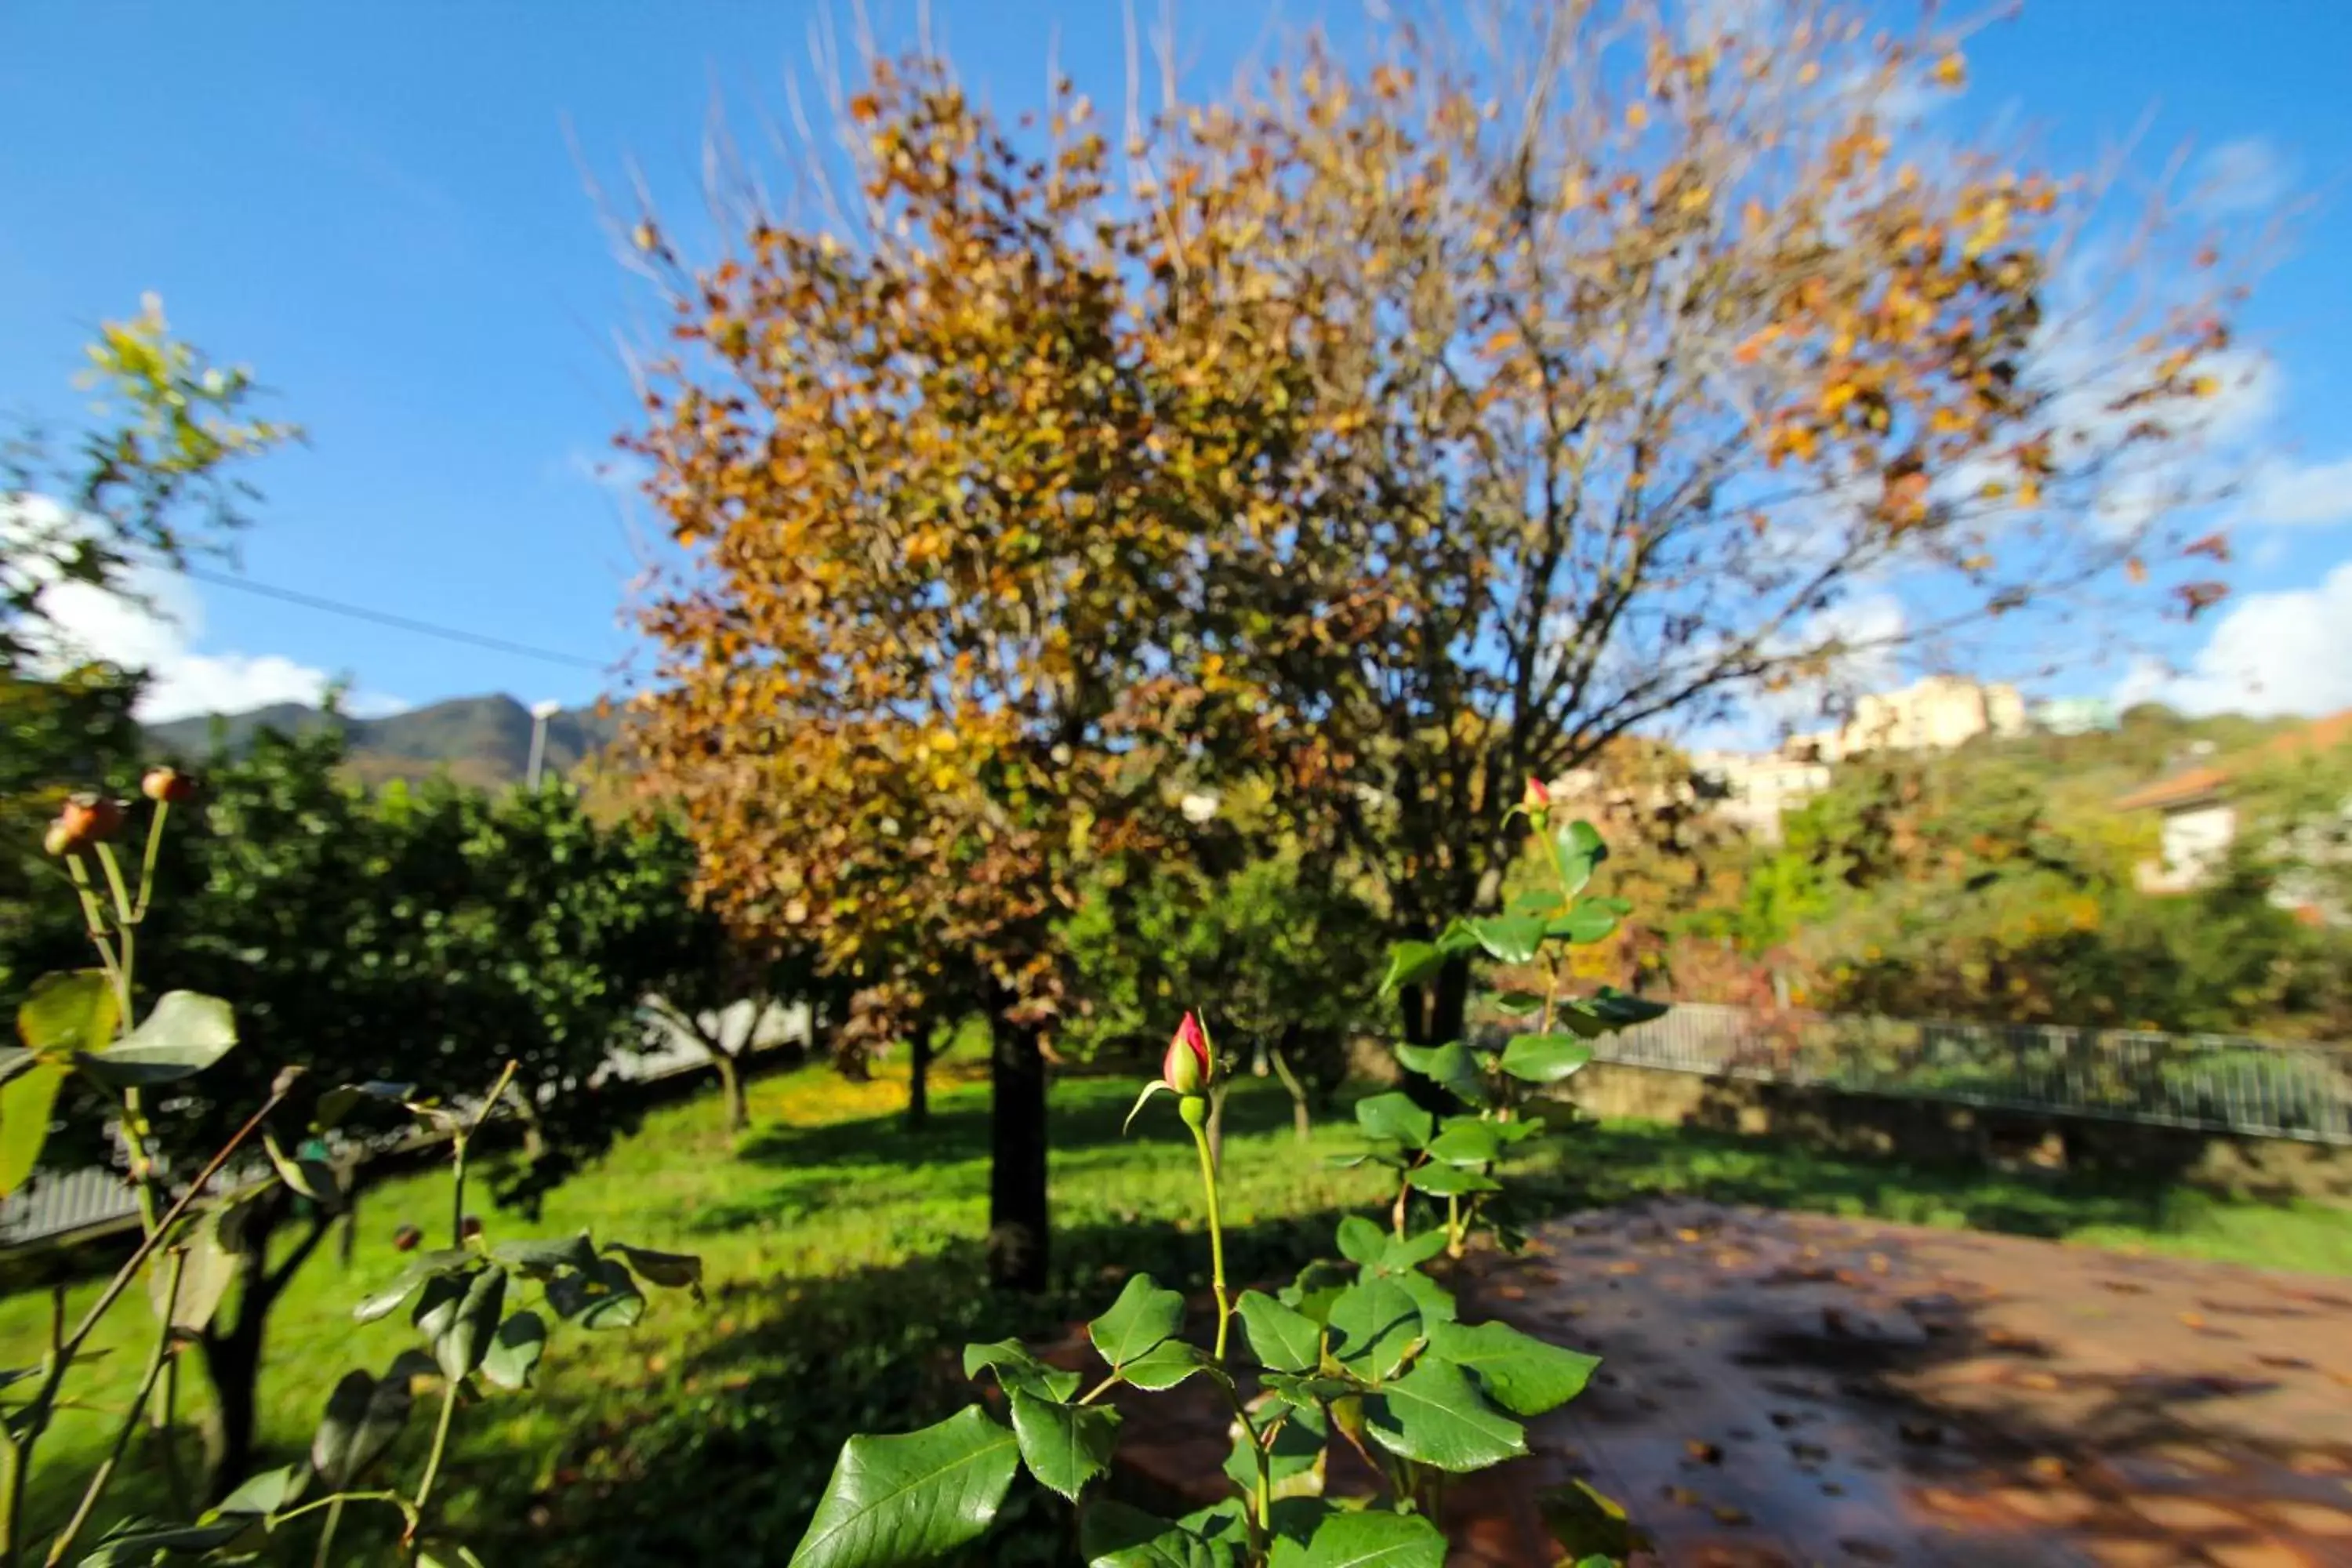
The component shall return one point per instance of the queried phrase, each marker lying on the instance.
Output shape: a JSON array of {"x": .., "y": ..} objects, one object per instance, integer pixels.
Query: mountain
[{"x": 483, "y": 741}]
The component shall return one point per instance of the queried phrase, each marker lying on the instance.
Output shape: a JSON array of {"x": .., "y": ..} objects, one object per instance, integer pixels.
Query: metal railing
[
  {"x": 66, "y": 1203},
  {"x": 2227, "y": 1083}
]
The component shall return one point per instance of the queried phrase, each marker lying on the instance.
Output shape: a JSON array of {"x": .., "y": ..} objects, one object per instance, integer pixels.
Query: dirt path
[{"x": 1791, "y": 1389}]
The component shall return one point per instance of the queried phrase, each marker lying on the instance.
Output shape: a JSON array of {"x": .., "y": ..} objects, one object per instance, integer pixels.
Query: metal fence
[
  {"x": 61, "y": 1203},
  {"x": 2228, "y": 1083}
]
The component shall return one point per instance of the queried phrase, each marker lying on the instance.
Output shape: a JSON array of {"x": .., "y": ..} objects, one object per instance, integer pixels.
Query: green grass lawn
[{"x": 844, "y": 1256}]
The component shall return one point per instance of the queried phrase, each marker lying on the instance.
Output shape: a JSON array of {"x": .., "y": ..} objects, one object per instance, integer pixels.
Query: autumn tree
[
  {"x": 1395, "y": 429},
  {"x": 1643, "y": 360},
  {"x": 946, "y": 513}
]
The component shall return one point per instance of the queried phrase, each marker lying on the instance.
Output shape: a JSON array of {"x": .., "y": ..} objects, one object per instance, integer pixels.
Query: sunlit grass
[{"x": 844, "y": 1256}]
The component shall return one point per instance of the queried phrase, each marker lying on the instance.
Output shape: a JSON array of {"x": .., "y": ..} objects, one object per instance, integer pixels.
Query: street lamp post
[{"x": 541, "y": 712}]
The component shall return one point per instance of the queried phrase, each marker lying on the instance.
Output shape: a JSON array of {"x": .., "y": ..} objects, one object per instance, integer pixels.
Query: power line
[{"x": 401, "y": 623}]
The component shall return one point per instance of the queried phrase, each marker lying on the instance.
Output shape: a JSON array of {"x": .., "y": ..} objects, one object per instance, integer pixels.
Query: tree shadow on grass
[
  {"x": 1595, "y": 1165},
  {"x": 950, "y": 1151},
  {"x": 723, "y": 1456}
]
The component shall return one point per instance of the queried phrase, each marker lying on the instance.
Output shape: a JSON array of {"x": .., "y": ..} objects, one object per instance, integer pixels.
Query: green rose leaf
[
  {"x": 1535, "y": 901},
  {"x": 1586, "y": 922},
  {"x": 1141, "y": 1317},
  {"x": 1373, "y": 1322},
  {"x": 1368, "y": 1539},
  {"x": 1434, "y": 1301},
  {"x": 473, "y": 1324},
  {"x": 267, "y": 1492},
  {"x": 1578, "y": 848},
  {"x": 1017, "y": 1371},
  {"x": 600, "y": 1297},
  {"x": 135, "y": 1543},
  {"x": 1450, "y": 1180},
  {"x": 1410, "y": 963},
  {"x": 1294, "y": 1462},
  {"x": 314, "y": 1179},
  {"x": 1617, "y": 1011},
  {"x": 1113, "y": 1535},
  {"x": 1544, "y": 1058},
  {"x": 184, "y": 1034},
  {"x": 66, "y": 1014},
  {"x": 1395, "y": 1118},
  {"x": 1318, "y": 1285},
  {"x": 27, "y": 1102},
  {"x": 1512, "y": 939},
  {"x": 1434, "y": 1416},
  {"x": 1399, "y": 1257},
  {"x": 1065, "y": 1445},
  {"x": 1518, "y": 1001},
  {"x": 363, "y": 1418},
  {"x": 515, "y": 1349},
  {"x": 1523, "y": 1374},
  {"x": 543, "y": 1257},
  {"x": 1458, "y": 938},
  {"x": 1165, "y": 1365},
  {"x": 336, "y": 1104},
  {"x": 1467, "y": 1141},
  {"x": 1283, "y": 1339},
  {"x": 1360, "y": 1241},
  {"x": 207, "y": 1268},
  {"x": 671, "y": 1271},
  {"x": 1308, "y": 1391},
  {"x": 425, "y": 1266},
  {"x": 1589, "y": 1524},
  {"x": 1451, "y": 1066},
  {"x": 910, "y": 1498}
]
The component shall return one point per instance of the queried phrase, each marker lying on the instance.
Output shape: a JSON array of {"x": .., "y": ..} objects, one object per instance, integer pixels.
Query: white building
[
  {"x": 1935, "y": 713},
  {"x": 1758, "y": 787}
]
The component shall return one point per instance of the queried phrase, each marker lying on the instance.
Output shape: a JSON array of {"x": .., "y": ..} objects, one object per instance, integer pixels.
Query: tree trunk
[
  {"x": 1302, "y": 1120},
  {"x": 731, "y": 1077},
  {"x": 918, "y": 1068},
  {"x": 1016, "y": 1175},
  {"x": 232, "y": 1353}
]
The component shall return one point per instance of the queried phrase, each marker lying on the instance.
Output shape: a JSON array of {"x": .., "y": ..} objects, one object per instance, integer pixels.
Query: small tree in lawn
[
  {"x": 413, "y": 935},
  {"x": 716, "y": 988}
]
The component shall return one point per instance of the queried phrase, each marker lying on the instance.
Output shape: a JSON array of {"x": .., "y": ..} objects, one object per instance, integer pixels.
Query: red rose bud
[
  {"x": 1537, "y": 797},
  {"x": 1187, "y": 1066},
  {"x": 84, "y": 820},
  {"x": 167, "y": 785},
  {"x": 405, "y": 1238},
  {"x": 469, "y": 1227}
]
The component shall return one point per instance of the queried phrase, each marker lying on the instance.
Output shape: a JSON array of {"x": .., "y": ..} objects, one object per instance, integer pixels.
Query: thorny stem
[
  {"x": 147, "y": 860},
  {"x": 95, "y": 919},
  {"x": 326, "y": 1534},
  {"x": 457, "y": 1155},
  {"x": 433, "y": 1459},
  {"x": 384, "y": 1495},
  {"x": 156, "y": 1359},
  {"x": 1216, "y": 1226},
  {"x": 1262, "y": 1501},
  {"x": 1453, "y": 1226}
]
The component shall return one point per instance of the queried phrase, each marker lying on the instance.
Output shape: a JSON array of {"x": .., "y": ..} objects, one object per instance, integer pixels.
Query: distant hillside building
[
  {"x": 1758, "y": 787},
  {"x": 1932, "y": 714},
  {"x": 2076, "y": 716},
  {"x": 2200, "y": 818}
]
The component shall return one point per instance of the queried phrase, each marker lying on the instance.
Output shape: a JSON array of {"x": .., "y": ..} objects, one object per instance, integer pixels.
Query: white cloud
[
  {"x": 2298, "y": 493},
  {"x": 154, "y": 628},
  {"x": 2287, "y": 652},
  {"x": 2246, "y": 176}
]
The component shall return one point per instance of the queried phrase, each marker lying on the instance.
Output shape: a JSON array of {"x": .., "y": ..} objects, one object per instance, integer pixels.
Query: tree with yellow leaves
[{"x": 1395, "y": 432}]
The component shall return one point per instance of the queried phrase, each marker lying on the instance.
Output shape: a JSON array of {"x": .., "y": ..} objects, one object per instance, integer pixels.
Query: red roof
[{"x": 2201, "y": 784}]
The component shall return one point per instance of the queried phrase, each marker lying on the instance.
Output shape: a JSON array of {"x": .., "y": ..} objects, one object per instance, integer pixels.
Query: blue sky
[{"x": 380, "y": 207}]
